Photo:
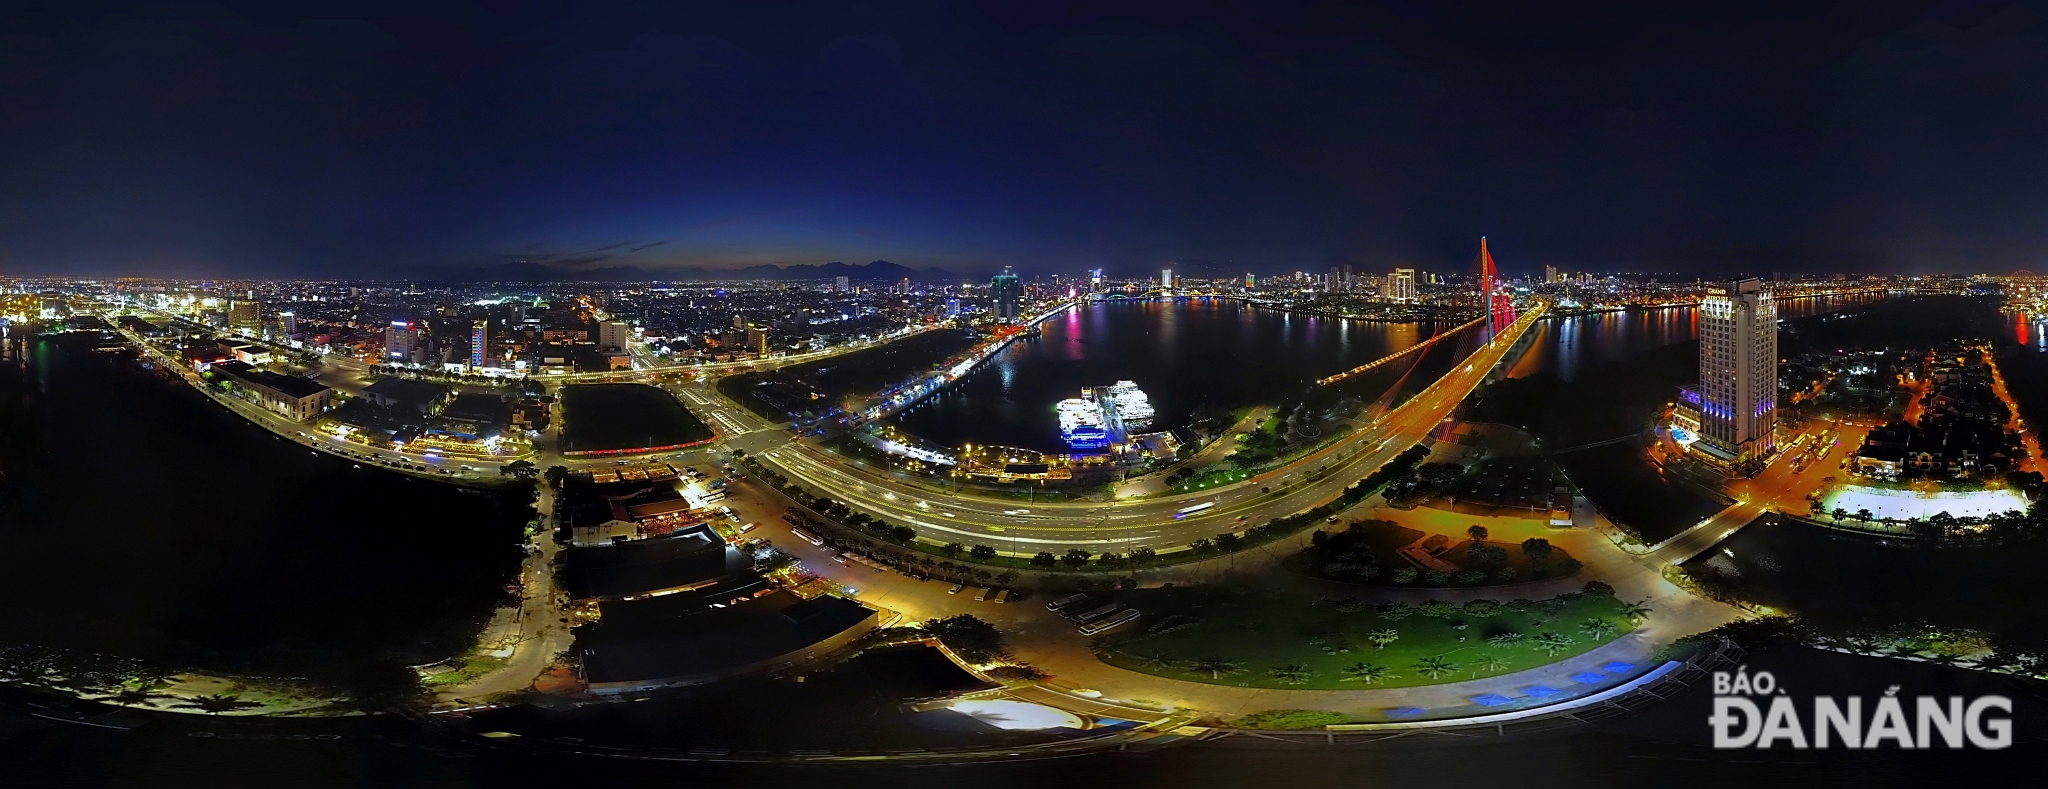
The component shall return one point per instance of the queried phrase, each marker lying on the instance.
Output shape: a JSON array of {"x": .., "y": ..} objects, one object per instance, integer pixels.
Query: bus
[
  {"x": 1111, "y": 623},
  {"x": 1105, "y": 610},
  {"x": 808, "y": 537},
  {"x": 1194, "y": 509},
  {"x": 1066, "y": 601}
]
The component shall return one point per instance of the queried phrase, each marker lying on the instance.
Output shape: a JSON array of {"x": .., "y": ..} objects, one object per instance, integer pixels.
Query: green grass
[{"x": 1258, "y": 631}]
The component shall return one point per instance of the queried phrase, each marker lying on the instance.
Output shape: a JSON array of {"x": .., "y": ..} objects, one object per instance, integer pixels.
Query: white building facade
[{"x": 1739, "y": 368}]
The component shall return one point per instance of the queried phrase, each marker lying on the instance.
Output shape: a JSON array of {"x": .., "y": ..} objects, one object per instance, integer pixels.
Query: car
[
  {"x": 839, "y": 557},
  {"x": 956, "y": 589},
  {"x": 748, "y": 527}
]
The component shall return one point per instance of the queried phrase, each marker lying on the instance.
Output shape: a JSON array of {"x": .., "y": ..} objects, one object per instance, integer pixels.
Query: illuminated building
[
  {"x": 1401, "y": 285},
  {"x": 479, "y": 343},
  {"x": 1006, "y": 296},
  {"x": 1738, "y": 368}
]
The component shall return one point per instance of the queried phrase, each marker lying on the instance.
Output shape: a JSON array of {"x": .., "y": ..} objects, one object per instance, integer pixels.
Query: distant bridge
[{"x": 1397, "y": 354}]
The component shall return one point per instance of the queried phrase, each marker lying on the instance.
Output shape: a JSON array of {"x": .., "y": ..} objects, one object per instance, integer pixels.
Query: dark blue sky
[{"x": 289, "y": 139}]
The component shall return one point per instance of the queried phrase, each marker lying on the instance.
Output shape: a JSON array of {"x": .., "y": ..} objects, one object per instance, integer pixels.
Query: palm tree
[
  {"x": 1105, "y": 645},
  {"x": 1839, "y": 514},
  {"x": 1488, "y": 663},
  {"x": 1292, "y": 673},
  {"x": 1435, "y": 667},
  {"x": 136, "y": 697},
  {"x": 1863, "y": 515},
  {"x": 1553, "y": 643},
  {"x": 1367, "y": 673},
  {"x": 1382, "y": 637},
  {"x": 1505, "y": 639},
  {"x": 1216, "y": 667},
  {"x": 1634, "y": 612},
  {"x": 1155, "y": 659},
  {"x": 1598, "y": 627}
]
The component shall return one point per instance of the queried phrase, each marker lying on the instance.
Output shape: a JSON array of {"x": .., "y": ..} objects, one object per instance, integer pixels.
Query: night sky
[{"x": 358, "y": 140}]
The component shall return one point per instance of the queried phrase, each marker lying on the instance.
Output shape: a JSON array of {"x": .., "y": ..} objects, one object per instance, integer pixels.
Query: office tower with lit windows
[
  {"x": 1006, "y": 296},
  {"x": 1401, "y": 285},
  {"x": 1166, "y": 278},
  {"x": 1738, "y": 368},
  {"x": 479, "y": 343}
]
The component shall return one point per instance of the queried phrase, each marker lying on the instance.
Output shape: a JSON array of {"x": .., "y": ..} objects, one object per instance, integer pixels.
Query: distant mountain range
[{"x": 524, "y": 271}]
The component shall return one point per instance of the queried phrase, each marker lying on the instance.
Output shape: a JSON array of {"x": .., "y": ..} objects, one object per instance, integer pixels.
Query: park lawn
[{"x": 1260, "y": 630}]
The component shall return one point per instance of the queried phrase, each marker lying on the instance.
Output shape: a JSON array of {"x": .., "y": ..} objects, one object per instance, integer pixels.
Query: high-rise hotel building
[{"x": 1739, "y": 368}]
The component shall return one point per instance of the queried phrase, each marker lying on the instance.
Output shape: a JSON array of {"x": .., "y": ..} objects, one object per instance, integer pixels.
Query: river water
[
  {"x": 1183, "y": 354},
  {"x": 141, "y": 519}
]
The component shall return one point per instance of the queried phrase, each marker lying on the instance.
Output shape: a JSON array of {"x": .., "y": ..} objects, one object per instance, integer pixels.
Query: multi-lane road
[{"x": 1021, "y": 528}]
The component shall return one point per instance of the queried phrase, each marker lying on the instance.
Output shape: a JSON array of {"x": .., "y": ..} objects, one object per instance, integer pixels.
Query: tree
[
  {"x": 1367, "y": 673},
  {"x": 1536, "y": 548},
  {"x": 1839, "y": 514},
  {"x": 1076, "y": 557},
  {"x": 1292, "y": 674},
  {"x": 1488, "y": 663},
  {"x": 974, "y": 640},
  {"x": 982, "y": 553},
  {"x": 1155, "y": 659},
  {"x": 1553, "y": 643},
  {"x": 1383, "y": 637},
  {"x": 1598, "y": 627},
  {"x": 1044, "y": 559},
  {"x": 1634, "y": 612},
  {"x": 1478, "y": 532},
  {"x": 520, "y": 469},
  {"x": 1435, "y": 667},
  {"x": 1216, "y": 667},
  {"x": 1143, "y": 556},
  {"x": 557, "y": 476},
  {"x": 952, "y": 549},
  {"x": 1505, "y": 639},
  {"x": 1229, "y": 541},
  {"x": 1863, "y": 515}
]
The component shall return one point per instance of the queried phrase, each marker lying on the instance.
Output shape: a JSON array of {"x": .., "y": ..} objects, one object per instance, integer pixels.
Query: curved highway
[{"x": 1020, "y": 528}]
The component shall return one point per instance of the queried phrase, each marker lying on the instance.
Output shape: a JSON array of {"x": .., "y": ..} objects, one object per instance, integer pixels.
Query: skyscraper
[
  {"x": 1006, "y": 296},
  {"x": 1166, "y": 278},
  {"x": 479, "y": 343},
  {"x": 839, "y": 284},
  {"x": 1401, "y": 285},
  {"x": 1550, "y": 273},
  {"x": 1739, "y": 368}
]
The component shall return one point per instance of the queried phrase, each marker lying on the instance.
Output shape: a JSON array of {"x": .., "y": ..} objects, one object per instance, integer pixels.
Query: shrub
[
  {"x": 1482, "y": 608},
  {"x": 1597, "y": 589},
  {"x": 1436, "y": 577},
  {"x": 1437, "y": 609},
  {"x": 1404, "y": 575},
  {"x": 1396, "y": 611},
  {"x": 1284, "y": 720},
  {"x": 1470, "y": 577}
]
